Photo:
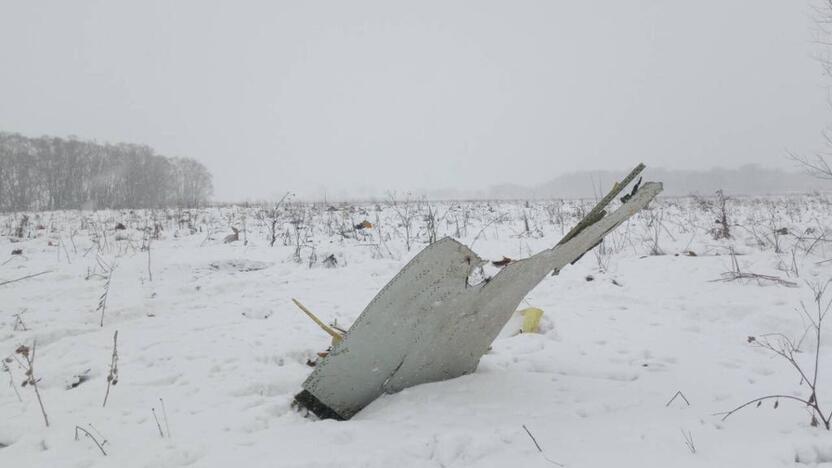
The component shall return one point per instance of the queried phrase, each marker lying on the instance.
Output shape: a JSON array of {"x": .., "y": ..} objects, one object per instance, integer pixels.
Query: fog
[{"x": 357, "y": 98}]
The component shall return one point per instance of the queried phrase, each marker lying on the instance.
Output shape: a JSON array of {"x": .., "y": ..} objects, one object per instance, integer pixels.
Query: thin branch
[
  {"x": 100, "y": 447},
  {"x": 726, "y": 414},
  {"x": 24, "y": 277},
  {"x": 539, "y": 449}
]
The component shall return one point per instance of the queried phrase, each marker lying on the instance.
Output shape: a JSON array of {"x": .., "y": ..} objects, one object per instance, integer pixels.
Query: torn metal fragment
[{"x": 429, "y": 324}]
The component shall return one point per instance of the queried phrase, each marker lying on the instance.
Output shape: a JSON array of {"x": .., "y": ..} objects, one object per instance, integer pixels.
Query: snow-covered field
[{"x": 209, "y": 340}]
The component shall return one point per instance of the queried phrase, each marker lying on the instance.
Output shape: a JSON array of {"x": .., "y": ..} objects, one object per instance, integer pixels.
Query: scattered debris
[
  {"x": 628, "y": 196},
  {"x": 77, "y": 379},
  {"x": 501, "y": 263},
  {"x": 232, "y": 237}
]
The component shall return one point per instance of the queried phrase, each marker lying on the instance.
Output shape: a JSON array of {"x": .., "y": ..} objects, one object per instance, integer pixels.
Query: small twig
[
  {"x": 726, "y": 414},
  {"x": 19, "y": 324},
  {"x": 104, "y": 439},
  {"x": 688, "y": 441},
  {"x": 165, "y": 415},
  {"x": 100, "y": 447},
  {"x": 677, "y": 394},
  {"x": 532, "y": 437},
  {"x": 539, "y": 449},
  {"x": 159, "y": 426},
  {"x": 25, "y": 277},
  {"x": 102, "y": 301},
  {"x": 499, "y": 218}
]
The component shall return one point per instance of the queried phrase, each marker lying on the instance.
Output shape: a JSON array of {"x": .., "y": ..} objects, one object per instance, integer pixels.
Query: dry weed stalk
[
  {"x": 29, "y": 355},
  {"x": 112, "y": 377},
  {"x": 86, "y": 433},
  {"x": 102, "y": 300},
  {"x": 6, "y": 368},
  {"x": 737, "y": 273}
]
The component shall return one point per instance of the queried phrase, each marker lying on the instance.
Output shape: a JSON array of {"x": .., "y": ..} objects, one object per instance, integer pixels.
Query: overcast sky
[{"x": 367, "y": 96}]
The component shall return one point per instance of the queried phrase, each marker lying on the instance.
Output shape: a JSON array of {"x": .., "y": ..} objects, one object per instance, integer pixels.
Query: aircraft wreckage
[{"x": 430, "y": 324}]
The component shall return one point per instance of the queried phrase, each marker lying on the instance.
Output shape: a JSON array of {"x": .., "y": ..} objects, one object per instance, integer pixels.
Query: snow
[{"x": 215, "y": 337}]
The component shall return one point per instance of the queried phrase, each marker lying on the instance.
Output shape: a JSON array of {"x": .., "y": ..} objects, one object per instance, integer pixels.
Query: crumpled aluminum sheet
[{"x": 428, "y": 324}]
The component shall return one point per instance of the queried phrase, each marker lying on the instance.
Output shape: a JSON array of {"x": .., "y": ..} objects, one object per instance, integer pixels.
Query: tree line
[{"x": 49, "y": 173}]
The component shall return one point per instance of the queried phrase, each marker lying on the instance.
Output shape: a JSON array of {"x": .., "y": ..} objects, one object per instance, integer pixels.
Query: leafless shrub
[
  {"x": 405, "y": 210},
  {"x": 722, "y": 230},
  {"x": 430, "y": 223},
  {"x": 653, "y": 219},
  {"x": 21, "y": 226},
  {"x": 271, "y": 217},
  {"x": 789, "y": 349},
  {"x": 789, "y": 265},
  {"x": 497, "y": 219}
]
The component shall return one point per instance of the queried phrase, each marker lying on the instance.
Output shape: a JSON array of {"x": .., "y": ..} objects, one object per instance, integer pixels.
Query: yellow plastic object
[{"x": 531, "y": 319}]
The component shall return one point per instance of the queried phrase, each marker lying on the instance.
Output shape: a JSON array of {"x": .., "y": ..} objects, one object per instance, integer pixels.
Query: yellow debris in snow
[
  {"x": 531, "y": 319},
  {"x": 336, "y": 336}
]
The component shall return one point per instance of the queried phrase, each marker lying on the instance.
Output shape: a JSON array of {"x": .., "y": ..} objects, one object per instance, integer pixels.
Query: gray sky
[{"x": 367, "y": 96}]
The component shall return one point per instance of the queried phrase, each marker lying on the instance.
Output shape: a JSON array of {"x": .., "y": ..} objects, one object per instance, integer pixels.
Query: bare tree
[
  {"x": 817, "y": 165},
  {"x": 48, "y": 173}
]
